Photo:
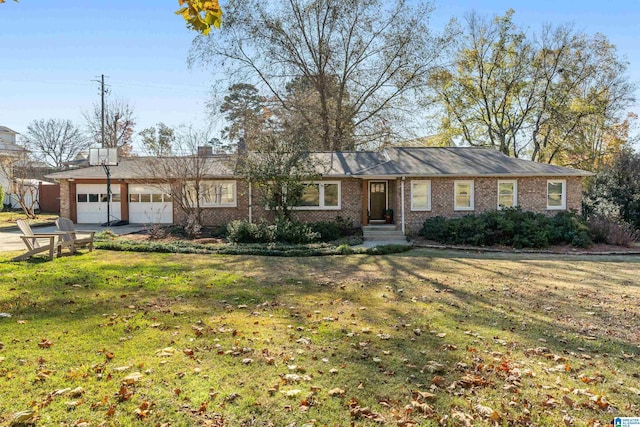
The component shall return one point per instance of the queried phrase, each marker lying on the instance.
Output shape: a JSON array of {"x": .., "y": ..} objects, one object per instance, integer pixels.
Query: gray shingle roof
[
  {"x": 401, "y": 161},
  {"x": 6, "y": 129},
  {"x": 143, "y": 168},
  {"x": 464, "y": 161}
]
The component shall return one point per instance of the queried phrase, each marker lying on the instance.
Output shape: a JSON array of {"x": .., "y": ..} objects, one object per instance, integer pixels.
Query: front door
[{"x": 377, "y": 199}]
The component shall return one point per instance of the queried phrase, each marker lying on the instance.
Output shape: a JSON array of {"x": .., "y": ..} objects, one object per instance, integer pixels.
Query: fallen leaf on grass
[
  {"x": 166, "y": 352},
  {"x": 423, "y": 395},
  {"x": 45, "y": 343},
  {"x": 337, "y": 392},
  {"x": 124, "y": 394},
  {"x": 24, "y": 417},
  {"x": 132, "y": 378},
  {"x": 487, "y": 412},
  {"x": 292, "y": 393},
  {"x": 568, "y": 401}
]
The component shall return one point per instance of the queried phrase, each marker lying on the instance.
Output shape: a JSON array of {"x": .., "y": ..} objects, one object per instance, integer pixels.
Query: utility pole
[
  {"x": 103, "y": 91},
  {"x": 102, "y": 110}
]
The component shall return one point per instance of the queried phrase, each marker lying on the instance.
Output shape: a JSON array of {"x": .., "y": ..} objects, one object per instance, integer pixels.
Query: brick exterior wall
[
  {"x": 350, "y": 206},
  {"x": 65, "y": 199},
  {"x": 532, "y": 196}
]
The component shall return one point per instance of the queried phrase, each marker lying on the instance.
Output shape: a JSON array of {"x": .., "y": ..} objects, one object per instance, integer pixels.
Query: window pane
[
  {"x": 506, "y": 188},
  {"x": 310, "y": 195},
  {"x": 93, "y": 198},
  {"x": 156, "y": 198},
  {"x": 331, "y": 195},
  {"x": 505, "y": 194},
  {"x": 226, "y": 193},
  {"x": 115, "y": 197},
  {"x": 145, "y": 198},
  {"x": 505, "y": 200},
  {"x": 554, "y": 194},
  {"x": 207, "y": 194},
  {"x": 167, "y": 197},
  {"x": 420, "y": 195},
  {"x": 463, "y": 195},
  {"x": 134, "y": 198},
  {"x": 82, "y": 198}
]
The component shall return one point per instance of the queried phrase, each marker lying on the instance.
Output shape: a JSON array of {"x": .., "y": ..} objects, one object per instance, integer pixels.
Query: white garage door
[
  {"x": 150, "y": 205},
  {"x": 91, "y": 202}
]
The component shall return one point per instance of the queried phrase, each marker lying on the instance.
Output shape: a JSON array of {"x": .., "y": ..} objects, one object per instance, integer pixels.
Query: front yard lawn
[
  {"x": 420, "y": 338},
  {"x": 8, "y": 219}
]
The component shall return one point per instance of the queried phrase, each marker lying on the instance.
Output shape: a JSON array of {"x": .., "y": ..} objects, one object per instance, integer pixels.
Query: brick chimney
[{"x": 205, "y": 151}]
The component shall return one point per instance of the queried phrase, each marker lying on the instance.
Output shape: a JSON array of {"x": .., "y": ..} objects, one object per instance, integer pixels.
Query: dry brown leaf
[
  {"x": 337, "y": 392},
  {"x": 132, "y": 378},
  {"x": 45, "y": 343}
]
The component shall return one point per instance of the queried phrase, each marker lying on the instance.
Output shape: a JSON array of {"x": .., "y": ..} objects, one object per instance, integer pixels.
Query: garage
[
  {"x": 91, "y": 202},
  {"x": 150, "y": 205}
]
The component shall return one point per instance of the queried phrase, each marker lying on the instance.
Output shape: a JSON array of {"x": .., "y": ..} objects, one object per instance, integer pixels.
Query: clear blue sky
[{"x": 51, "y": 51}]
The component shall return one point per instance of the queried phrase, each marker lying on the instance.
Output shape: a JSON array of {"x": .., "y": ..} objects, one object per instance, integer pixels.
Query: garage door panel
[
  {"x": 150, "y": 205},
  {"x": 91, "y": 203}
]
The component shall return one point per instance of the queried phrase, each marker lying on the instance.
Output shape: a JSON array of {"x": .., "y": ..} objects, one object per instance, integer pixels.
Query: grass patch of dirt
[{"x": 421, "y": 338}]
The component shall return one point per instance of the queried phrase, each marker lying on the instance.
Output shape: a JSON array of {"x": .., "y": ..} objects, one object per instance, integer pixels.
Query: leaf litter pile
[{"x": 426, "y": 338}]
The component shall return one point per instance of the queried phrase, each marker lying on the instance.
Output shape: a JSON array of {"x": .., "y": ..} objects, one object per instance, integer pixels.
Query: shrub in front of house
[
  {"x": 605, "y": 230},
  {"x": 241, "y": 231},
  {"x": 336, "y": 229},
  {"x": 509, "y": 227}
]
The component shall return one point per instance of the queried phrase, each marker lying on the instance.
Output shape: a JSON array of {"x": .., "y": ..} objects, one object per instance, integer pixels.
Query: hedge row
[
  {"x": 273, "y": 249},
  {"x": 509, "y": 227}
]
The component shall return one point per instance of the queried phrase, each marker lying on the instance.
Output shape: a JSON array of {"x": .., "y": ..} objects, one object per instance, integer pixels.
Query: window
[
  {"x": 320, "y": 195},
  {"x": 115, "y": 197},
  {"x": 145, "y": 198},
  {"x": 556, "y": 194},
  {"x": 310, "y": 195},
  {"x": 463, "y": 195},
  {"x": 93, "y": 198},
  {"x": 507, "y": 194},
  {"x": 216, "y": 193},
  {"x": 82, "y": 198},
  {"x": 134, "y": 198},
  {"x": 156, "y": 198},
  {"x": 420, "y": 195}
]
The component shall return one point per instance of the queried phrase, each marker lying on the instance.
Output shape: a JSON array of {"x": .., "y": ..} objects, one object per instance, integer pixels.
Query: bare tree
[
  {"x": 184, "y": 173},
  {"x": 362, "y": 60},
  {"x": 55, "y": 141},
  {"x": 119, "y": 123},
  {"x": 22, "y": 189}
]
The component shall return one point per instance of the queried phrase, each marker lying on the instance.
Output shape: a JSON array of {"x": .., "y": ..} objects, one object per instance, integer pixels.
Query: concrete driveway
[{"x": 11, "y": 241}]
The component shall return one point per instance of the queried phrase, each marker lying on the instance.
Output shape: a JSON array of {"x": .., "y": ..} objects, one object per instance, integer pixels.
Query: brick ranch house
[{"x": 416, "y": 183}]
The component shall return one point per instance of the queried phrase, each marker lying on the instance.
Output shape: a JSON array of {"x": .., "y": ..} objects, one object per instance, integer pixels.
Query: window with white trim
[
  {"x": 463, "y": 195},
  {"x": 320, "y": 195},
  {"x": 556, "y": 194},
  {"x": 507, "y": 193},
  {"x": 420, "y": 195},
  {"x": 215, "y": 194}
]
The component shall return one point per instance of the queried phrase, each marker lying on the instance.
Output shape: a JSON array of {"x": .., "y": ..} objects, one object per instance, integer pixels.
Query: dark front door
[{"x": 377, "y": 200}]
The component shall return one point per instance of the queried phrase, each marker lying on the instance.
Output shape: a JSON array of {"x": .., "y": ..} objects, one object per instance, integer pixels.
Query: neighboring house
[
  {"x": 10, "y": 152},
  {"x": 417, "y": 183}
]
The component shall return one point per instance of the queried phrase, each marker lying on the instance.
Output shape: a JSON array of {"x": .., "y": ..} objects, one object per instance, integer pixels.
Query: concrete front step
[{"x": 382, "y": 232}]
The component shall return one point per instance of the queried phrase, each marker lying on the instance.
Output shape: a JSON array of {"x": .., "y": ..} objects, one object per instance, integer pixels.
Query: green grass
[
  {"x": 8, "y": 219},
  {"x": 535, "y": 338}
]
